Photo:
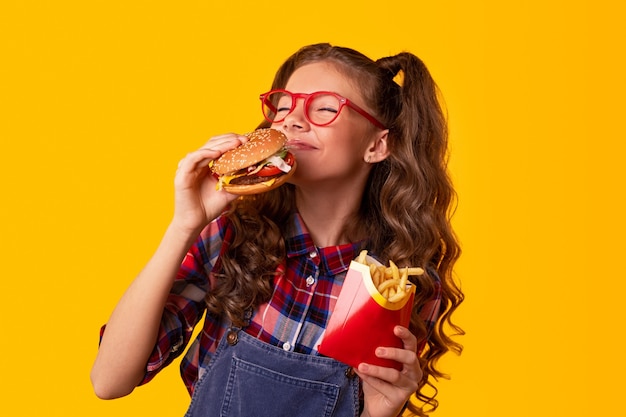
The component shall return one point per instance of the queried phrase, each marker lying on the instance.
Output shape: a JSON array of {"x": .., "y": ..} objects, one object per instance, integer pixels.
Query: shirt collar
[
  {"x": 297, "y": 238},
  {"x": 333, "y": 259}
]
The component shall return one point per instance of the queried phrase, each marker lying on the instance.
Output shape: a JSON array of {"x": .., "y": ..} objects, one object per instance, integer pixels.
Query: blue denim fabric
[{"x": 254, "y": 379}]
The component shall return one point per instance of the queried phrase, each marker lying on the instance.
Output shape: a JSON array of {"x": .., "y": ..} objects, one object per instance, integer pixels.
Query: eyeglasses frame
[{"x": 307, "y": 99}]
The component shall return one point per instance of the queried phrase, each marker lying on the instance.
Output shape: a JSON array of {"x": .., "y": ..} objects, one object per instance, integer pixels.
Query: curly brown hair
[{"x": 405, "y": 210}]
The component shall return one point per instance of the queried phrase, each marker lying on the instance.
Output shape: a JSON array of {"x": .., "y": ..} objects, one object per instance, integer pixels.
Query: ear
[{"x": 377, "y": 150}]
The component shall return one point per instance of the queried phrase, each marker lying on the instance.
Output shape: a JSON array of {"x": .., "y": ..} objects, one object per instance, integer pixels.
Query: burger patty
[{"x": 252, "y": 179}]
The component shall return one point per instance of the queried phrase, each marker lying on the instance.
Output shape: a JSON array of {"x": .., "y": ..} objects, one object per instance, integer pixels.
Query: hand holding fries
[
  {"x": 374, "y": 300},
  {"x": 391, "y": 282}
]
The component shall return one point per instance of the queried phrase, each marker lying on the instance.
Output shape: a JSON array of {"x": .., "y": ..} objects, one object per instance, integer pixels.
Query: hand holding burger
[{"x": 259, "y": 165}]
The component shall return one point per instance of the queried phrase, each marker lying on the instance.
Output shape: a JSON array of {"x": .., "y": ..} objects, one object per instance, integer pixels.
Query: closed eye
[{"x": 329, "y": 109}]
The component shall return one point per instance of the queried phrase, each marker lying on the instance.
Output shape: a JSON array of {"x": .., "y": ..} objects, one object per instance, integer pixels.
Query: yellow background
[{"x": 100, "y": 99}]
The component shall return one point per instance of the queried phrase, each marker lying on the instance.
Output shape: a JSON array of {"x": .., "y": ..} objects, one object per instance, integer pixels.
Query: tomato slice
[
  {"x": 268, "y": 171},
  {"x": 271, "y": 170}
]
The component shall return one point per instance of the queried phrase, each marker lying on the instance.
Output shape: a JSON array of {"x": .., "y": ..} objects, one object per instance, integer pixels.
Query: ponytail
[{"x": 418, "y": 197}]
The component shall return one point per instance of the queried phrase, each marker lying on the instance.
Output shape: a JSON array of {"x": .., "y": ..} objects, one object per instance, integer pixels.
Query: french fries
[{"x": 391, "y": 282}]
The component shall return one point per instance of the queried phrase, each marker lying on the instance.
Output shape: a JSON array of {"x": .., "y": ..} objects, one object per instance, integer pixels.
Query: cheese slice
[{"x": 225, "y": 180}]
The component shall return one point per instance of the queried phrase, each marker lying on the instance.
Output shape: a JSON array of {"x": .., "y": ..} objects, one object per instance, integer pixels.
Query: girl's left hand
[{"x": 386, "y": 390}]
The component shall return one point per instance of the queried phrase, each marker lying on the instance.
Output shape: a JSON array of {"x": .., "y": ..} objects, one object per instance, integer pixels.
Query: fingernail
[{"x": 381, "y": 352}]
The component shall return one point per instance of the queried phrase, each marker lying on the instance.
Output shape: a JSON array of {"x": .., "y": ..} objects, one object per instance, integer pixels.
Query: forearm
[{"x": 132, "y": 329}]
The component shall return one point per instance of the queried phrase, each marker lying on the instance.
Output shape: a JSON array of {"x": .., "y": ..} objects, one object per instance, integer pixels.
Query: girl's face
[{"x": 339, "y": 150}]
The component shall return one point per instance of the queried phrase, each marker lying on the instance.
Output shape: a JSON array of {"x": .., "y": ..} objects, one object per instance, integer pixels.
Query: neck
[{"x": 326, "y": 211}]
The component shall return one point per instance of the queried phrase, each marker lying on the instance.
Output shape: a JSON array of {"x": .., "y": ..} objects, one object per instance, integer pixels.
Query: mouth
[{"x": 295, "y": 144}]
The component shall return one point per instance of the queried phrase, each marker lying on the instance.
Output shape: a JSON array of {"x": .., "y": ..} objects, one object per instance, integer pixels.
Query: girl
[{"x": 267, "y": 269}]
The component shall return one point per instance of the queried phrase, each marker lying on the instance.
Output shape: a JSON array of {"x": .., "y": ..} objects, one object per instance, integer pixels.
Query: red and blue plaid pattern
[{"x": 294, "y": 318}]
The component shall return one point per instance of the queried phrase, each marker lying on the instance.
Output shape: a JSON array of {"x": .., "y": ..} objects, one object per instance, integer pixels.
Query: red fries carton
[{"x": 363, "y": 320}]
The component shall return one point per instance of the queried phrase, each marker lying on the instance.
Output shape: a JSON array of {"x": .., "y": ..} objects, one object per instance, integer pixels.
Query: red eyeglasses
[{"x": 320, "y": 108}]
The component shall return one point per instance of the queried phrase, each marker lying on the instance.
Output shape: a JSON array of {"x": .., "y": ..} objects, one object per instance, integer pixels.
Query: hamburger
[{"x": 259, "y": 165}]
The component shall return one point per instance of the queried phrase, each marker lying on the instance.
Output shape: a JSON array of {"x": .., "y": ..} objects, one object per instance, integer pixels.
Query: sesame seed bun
[{"x": 262, "y": 144}]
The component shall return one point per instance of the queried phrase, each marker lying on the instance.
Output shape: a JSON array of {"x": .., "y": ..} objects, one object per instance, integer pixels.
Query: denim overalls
[{"x": 250, "y": 378}]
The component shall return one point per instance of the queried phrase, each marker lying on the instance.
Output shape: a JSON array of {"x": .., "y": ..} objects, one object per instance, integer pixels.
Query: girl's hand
[
  {"x": 197, "y": 202},
  {"x": 386, "y": 390}
]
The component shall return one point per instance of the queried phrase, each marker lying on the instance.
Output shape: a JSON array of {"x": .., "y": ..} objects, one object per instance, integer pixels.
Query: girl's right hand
[{"x": 197, "y": 202}]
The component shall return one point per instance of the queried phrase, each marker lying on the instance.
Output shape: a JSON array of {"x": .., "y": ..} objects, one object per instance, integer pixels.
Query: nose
[{"x": 297, "y": 118}]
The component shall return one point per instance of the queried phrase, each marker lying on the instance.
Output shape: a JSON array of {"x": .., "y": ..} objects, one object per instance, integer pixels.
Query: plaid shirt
[{"x": 294, "y": 318}]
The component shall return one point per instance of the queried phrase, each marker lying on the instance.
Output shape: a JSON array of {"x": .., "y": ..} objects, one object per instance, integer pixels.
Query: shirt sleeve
[{"x": 185, "y": 305}]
